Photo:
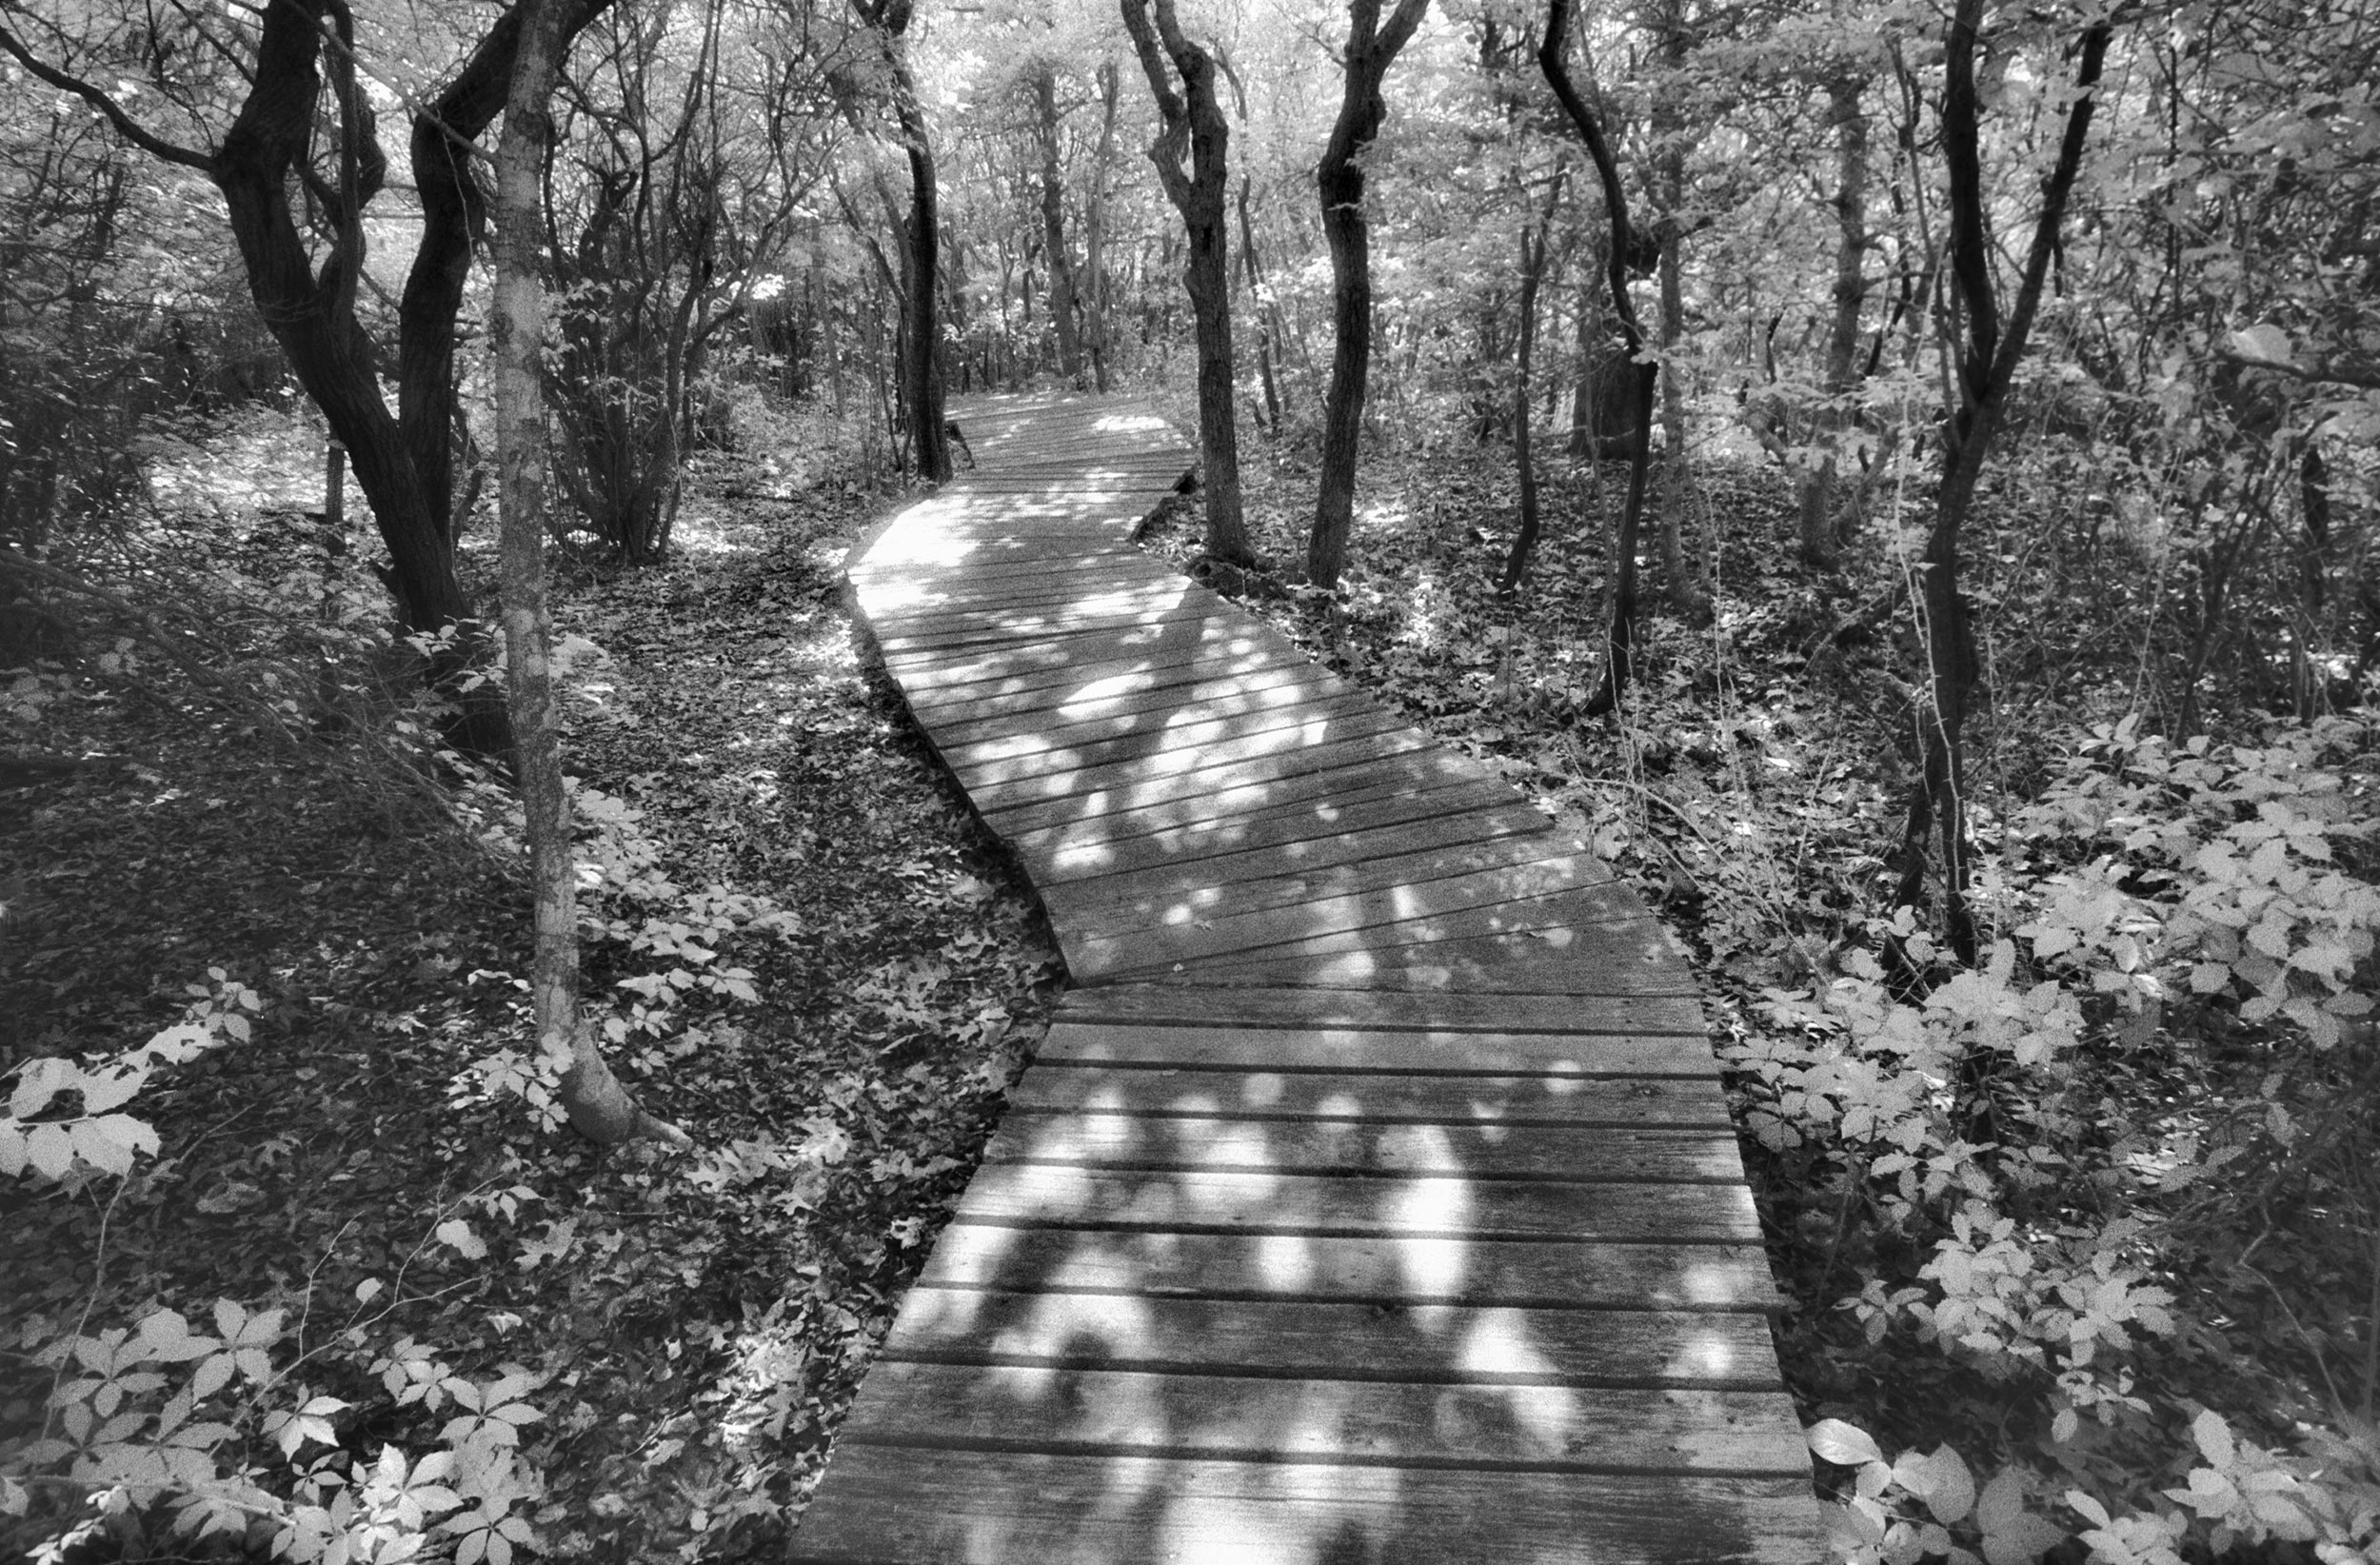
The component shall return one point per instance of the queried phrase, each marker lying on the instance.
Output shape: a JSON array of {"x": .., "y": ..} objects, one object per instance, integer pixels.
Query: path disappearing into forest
[{"x": 1372, "y": 1198}]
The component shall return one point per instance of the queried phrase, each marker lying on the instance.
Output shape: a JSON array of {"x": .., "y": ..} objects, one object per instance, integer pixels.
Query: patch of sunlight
[
  {"x": 1060, "y": 1323},
  {"x": 1113, "y": 688},
  {"x": 1498, "y": 1342},
  {"x": 1433, "y": 1268},
  {"x": 1424, "y": 1206},
  {"x": 1244, "y": 1144},
  {"x": 1233, "y": 1193},
  {"x": 1340, "y": 1105},
  {"x": 1125, "y": 422},
  {"x": 699, "y": 534},
  {"x": 1706, "y": 1283},
  {"x": 974, "y": 1250},
  {"x": 1418, "y": 1148},
  {"x": 1706, "y": 1352},
  {"x": 1088, "y": 854},
  {"x": 1285, "y": 1261}
]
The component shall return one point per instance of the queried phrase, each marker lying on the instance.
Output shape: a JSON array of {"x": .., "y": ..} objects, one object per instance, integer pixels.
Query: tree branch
[{"x": 126, "y": 127}]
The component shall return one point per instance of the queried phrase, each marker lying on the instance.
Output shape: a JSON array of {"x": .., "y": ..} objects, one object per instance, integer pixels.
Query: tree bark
[
  {"x": 1101, "y": 333},
  {"x": 1191, "y": 153},
  {"x": 1621, "y": 638},
  {"x": 1265, "y": 334},
  {"x": 1064, "y": 311},
  {"x": 1987, "y": 360},
  {"x": 1339, "y": 180},
  {"x": 1685, "y": 594},
  {"x": 1533, "y": 254},
  {"x": 1820, "y": 535},
  {"x": 598, "y": 1107}
]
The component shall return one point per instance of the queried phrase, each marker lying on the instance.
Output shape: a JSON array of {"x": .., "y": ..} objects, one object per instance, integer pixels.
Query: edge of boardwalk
[{"x": 1373, "y": 1199}]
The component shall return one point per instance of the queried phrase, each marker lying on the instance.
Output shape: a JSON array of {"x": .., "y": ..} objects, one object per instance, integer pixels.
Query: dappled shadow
[{"x": 1294, "y": 1291}]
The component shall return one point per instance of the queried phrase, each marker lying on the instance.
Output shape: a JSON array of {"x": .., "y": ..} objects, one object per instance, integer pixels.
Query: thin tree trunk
[
  {"x": 1102, "y": 332},
  {"x": 1257, "y": 307},
  {"x": 598, "y": 1107},
  {"x": 1621, "y": 639},
  {"x": 1065, "y": 312},
  {"x": 1820, "y": 535},
  {"x": 1987, "y": 360},
  {"x": 1532, "y": 251}
]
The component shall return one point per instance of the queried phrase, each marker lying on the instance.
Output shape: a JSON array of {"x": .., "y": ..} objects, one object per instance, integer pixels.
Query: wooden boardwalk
[{"x": 1372, "y": 1198}]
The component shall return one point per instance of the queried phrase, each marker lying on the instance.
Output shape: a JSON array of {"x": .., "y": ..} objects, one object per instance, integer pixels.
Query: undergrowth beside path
[{"x": 683, "y": 1330}]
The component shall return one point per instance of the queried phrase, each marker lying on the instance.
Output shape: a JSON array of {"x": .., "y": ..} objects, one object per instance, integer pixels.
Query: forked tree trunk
[
  {"x": 1987, "y": 360},
  {"x": 1371, "y": 48},
  {"x": 599, "y": 1108},
  {"x": 1190, "y": 154}
]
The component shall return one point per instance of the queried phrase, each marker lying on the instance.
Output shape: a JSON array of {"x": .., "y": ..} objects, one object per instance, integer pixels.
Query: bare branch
[{"x": 126, "y": 127}]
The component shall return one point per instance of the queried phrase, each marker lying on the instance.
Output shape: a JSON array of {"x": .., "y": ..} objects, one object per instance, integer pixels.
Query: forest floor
[{"x": 691, "y": 1326}]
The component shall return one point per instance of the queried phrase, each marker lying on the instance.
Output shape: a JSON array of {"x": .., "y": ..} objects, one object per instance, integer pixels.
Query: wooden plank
[
  {"x": 1389, "y": 1272},
  {"x": 1136, "y": 709},
  {"x": 1321, "y": 712},
  {"x": 1344, "y": 866},
  {"x": 1260, "y": 760},
  {"x": 1395, "y": 1052},
  {"x": 1013, "y": 650},
  {"x": 1194, "y": 1202},
  {"x": 1346, "y": 775},
  {"x": 1619, "y": 960},
  {"x": 1142, "y": 765},
  {"x": 1226, "y": 1144},
  {"x": 1273, "y": 1006},
  {"x": 1380, "y": 1097},
  {"x": 1437, "y": 1344},
  {"x": 1091, "y": 1510},
  {"x": 899, "y": 602},
  {"x": 1493, "y": 900},
  {"x": 1109, "y": 661},
  {"x": 1094, "y": 1412},
  {"x": 1597, "y": 925},
  {"x": 1325, "y": 820}
]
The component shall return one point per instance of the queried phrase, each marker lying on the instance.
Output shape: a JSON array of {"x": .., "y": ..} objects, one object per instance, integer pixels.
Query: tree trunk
[
  {"x": 1621, "y": 639},
  {"x": 1524, "y": 460},
  {"x": 922, "y": 372},
  {"x": 1191, "y": 153},
  {"x": 1338, "y": 179},
  {"x": 1820, "y": 535},
  {"x": 1065, "y": 312},
  {"x": 598, "y": 1107},
  {"x": 1102, "y": 323},
  {"x": 1987, "y": 360},
  {"x": 1264, "y": 332}
]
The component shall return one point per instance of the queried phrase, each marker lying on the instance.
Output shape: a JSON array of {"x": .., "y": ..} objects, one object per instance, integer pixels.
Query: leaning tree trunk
[
  {"x": 1621, "y": 636},
  {"x": 1191, "y": 153},
  {"x": 599, "y": 1108}
]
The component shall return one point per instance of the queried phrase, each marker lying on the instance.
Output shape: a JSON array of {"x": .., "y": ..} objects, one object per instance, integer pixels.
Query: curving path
[{"x": 1372, "y": 1198}]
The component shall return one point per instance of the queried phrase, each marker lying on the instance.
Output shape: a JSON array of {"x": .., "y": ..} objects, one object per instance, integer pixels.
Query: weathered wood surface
[{"x": 1372, "y": 1198}]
